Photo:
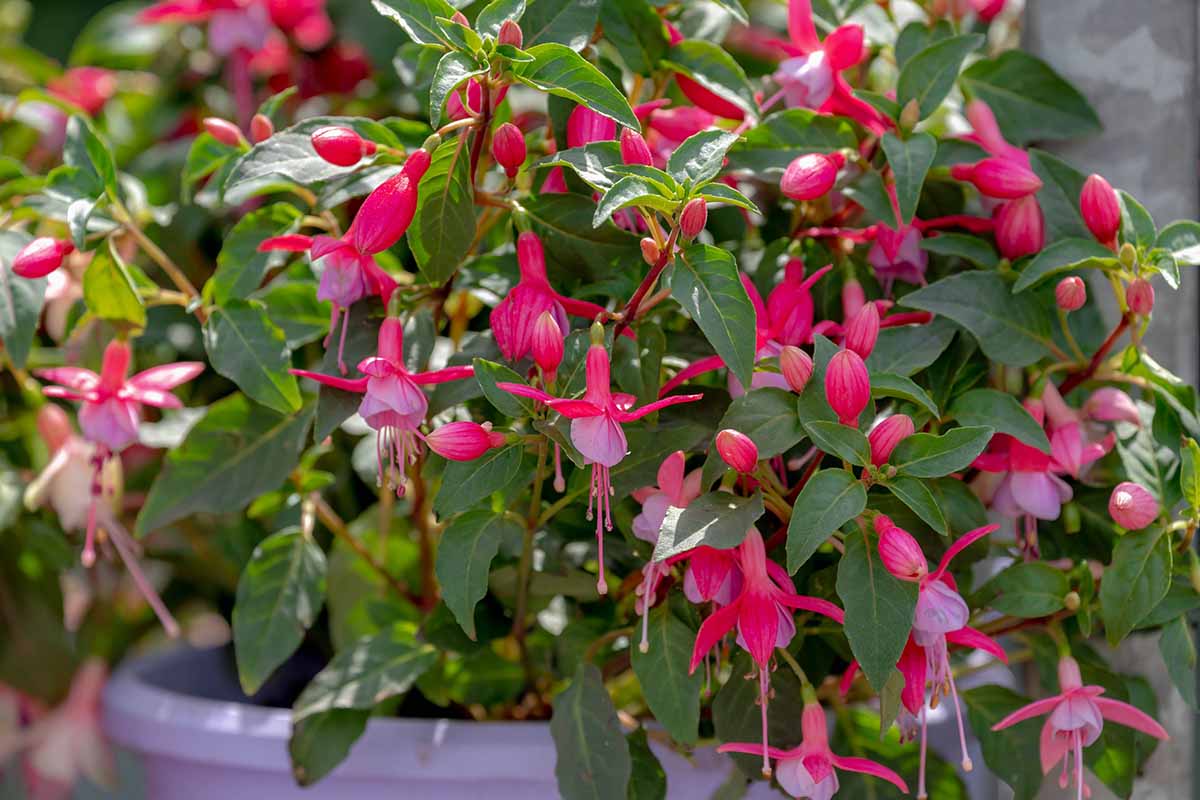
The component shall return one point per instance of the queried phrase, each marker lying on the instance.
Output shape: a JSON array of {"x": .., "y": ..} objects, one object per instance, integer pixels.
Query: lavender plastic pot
[{"x": 178, "y": 713}]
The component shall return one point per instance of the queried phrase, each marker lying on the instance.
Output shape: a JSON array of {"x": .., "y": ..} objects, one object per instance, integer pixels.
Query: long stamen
[
  {"x": 1078, "y": 765},
  {"x": 645, "y": 644},
  {"x": 123, "y": 543},
  {"x": 88, "y": 557},
  {"x": 333, "y": 320},
  {"x": 763, "y": 684},
  {"x": 560, "y": 485},
  {"x": 921, "y": 793},
  {"x": 962, "y": 736},
  {"x": 342, "y": 341},
  {"x": 380, "y": 436}
]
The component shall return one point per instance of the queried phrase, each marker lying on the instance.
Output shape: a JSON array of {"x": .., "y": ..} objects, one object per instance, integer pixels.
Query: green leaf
[
  {"x": 885, "y": 385},
  {"x": 564, "y": 221},
  {"x": 916, "y": 36},
  {"x": 647, "y": 778},
  {"x": 374, "y": 669},
  {"x": 245, "y": 346},
  {"x": 924, "y": 455},
  {"x": 630, "y": 191},
  {"x": 496, "y": 13},
  {"x": 1030, "y": 589},
  {"x": 238, "y": 451},
  {"x": 418, "y": 18},
  {"x": 240, "y": 267},
  {"x": 830, "y": 499},
  {"x": 968, "y": 248},
  {"x": 1009, "y": 330},
  {"x": 776, "y": 141},
  {"x": 109, "y": 291},
  {"x": 909, "y": 349},
  {"x": 737, "y": 716},
  {"x": 487, "y": 375},
  {"x": 716, "y": 192},
  {"x": 717, "y": 519},
  {"x": 1065, "y": 255},
  {"x": 637, "y": 33},
  {"x": 296, "y": 310},
  {"x": 84, "y": 150},
  {"x": 910, "y": 160},
  {"x": 279, "y": 595},
  {"x": 593, "y": 757},
  {"x": 1059, "y": 196},
  {"x": 571, "y": 24},
  {"x": 320, "y": 742},
  {"x": 78, "y": 214},
  {"x": 672, "y": 694},
  {"x": 839, "y": 440},
  {"x": 916, "y": 495},
  {"x": 452, "y": 71},
  {"x": 465, "y": 483},
  {"x": 929, "y": 75},
  {"x": 705, "y": 282},
  {"x": 768, "y": 417},
  {"x": 1137, "y": 226},
  {"x": 710, "y": 66},
  {"x": 1182, "y": 238},
  {"x": 591, "y": 162},
  {"x": 561, "y": 71},
  {"x": 1030, "y": 100},
  {"x": 1002, "y": 411},
  {"x": 1011, "y": 754},
  {"x": 1189, "y": 475},
  {"x": 444, "y": 226},
  {"x": 1135, "y": 581},
  {"x": 464, "y": 560},
  {"x": 879, "y": 609},
  {"x": 20, "y": 300},
  {"x": 700, "y": 156},
  {"x": 1178, "y": 647}
]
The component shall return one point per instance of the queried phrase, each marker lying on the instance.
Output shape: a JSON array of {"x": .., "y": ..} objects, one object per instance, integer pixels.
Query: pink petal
[
  {"x": 73, "y": 377},
  {"x": 1036, "y": 494},
  {"x": 1051, "y": 747},
  {"x": 868, "y": 767},
  {"x": 758, "y": 626},
  {"x": 290, "y": 243},
  {"x": 814, "y": 604},
  {"x": 963, "y": 542},
  {"x": 719, "y": 623},
  {"x": 158, "y": 398},
  {"x": 670, "y": 474},
  {"x": 575, "y": 409},
  {"x": 521, "y": 390},
  {"x": 442, "y": 375},
  {"x": 167, "y": 376},
  {"x": 698, "y": 367},
  {"x": 975, "y": 640},
  {"x": 650, "y": 408},
  {"x": 801, "y": 28},
  {"x": 599, "y": 439},
  {"x": 912, "y": 666},
  {"x": 1130, "y": 717},
  {"x": 844, "y": 47},
  {"x": 754, "y": 749},
  {"x": 63, "y": 393},
  {"x": 1034, "y": 709},
  {"x": 345, "y": 384}
]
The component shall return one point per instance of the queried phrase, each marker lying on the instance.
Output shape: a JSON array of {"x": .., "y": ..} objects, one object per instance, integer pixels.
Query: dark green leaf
[
  {"x": 885, "y": 385},
  {"x": 245, "y": 346},
  {"x": 20, "y": 300},
  {"x": 1189, "y": 475},
  {"x": 879, "y": 609},
  {"x": 464, "y": 560},
  {"x": 647, "y": 779},
  {"x": 1030, "y": 589},
  {"x": 710, "y": 66},
  {"x": 768, "y": 417},
  {"x": 1065, "y": 255},
  {"x": 672, "y": 694},
  {"x": 593, "y": 757},
  {"x": 780, "y": 138},
  {"x": 910, "y": 160},
  {"x": 452, "y": 71},
  {"x": 969, "y": 248},
  {"x": 591, "y": 162},
  {"x": 240, "y": 267},
  {"x": 916, "y": 495},
  {"x": 916, "y": 36},
  {"x": 1137, "y": 226},
  {"x": 321, "y": 742},
  {"x": 700, "y": 156},
  {"x": 1011, "y": 754},
  {"x": 488, "y": 374},
  {"x": 564, "y": 221},
  {"x": 571, "y": 23},
  {"x": 561, "y": 71},
  {"x": 109, "y": 291},
  {"x": 706, "y": 283},
  {"x": 630, "y": 191},
  {"x": 1178, "y": 647},
  {"x": 465, "y": 483},
  {"x": 870, "y": 193},
  {"x": 929, "y": 75},
  {"x": 924, "y": 455},
  {"x": 444, "y": 226},
  {"x": 637, "y": 33},
  {"x": 1029, "y": 98},
  {"x": 830, "y": 499},
  {"x": 1059, "y": 196},
  {"x": 1002, "y": 411},
  {"x": 717, "y": 519},
  {"x": 1182, "y": 239},
  {"x": 496, "y": 13},
  {"x": 909, "y": 349},
  {"x": 418, "y": 18},
  {"x": 839, "y": 440},
  {"x": 296, "y": 310},
  {"x": 1135, "y": 581},
  {"x": 84, "y": 150}
]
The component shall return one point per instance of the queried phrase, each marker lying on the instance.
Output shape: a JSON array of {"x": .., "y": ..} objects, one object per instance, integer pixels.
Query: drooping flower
[
  {"x": 1020, "y": 227},
  {"x": 999, "y": 177},
  {"x": 596, "y": 431},
  {"x": 796, "y": 366},
  {"x": 897, "y": 255},
  {"x": 884, "y": 437},
  {"x": 847, "y": 386},
  {"x": 1076, "y": 719},
  {"x": 1140, "y": 296},
  {"x": 508, "y": 148},
  {"x": 737, "y": 450},
  {"x": 393, "y": 403},
  {"x": 464, "y": 441},
  {"x": 693, "y": 218},
  {"x": 762, "y": 614},
  {"x": 809, "y": 771},
  {"x": 341, "y": 146},
  {"x": 68, "y": 743},
  {"x": 41, "y": 256},
  {"x": 1100, "y": 209}
]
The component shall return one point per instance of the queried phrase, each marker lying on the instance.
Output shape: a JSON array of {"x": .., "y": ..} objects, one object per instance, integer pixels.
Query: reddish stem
[{"x": 1075, "y": 379}]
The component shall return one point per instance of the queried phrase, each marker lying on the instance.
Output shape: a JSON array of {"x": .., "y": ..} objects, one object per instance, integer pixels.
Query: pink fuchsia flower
[
  {"x": 737, "y": 450},
  {"x": 712, "y": 576},
  {"x": 847, "y": 386},
  {"x": 811, "y": 175},
  {"x": 666, "y": 128},
  {"x": 808, "y": 771},
  {"x": 41, "y": 257},
  {"x": 585, "y": 126},
  {"x": 1020, "y": 227},
  {"x": 986, "y": 133},
  {"x": 999, "y": 177},
  {"x": 261, "y": 128},
  {"x": 897, "y": 255},
  {"x": 393, "y": 404},
  {"x": 510, "y": 33},
  {"x": 463, "y": 441},
  {"x": 796, "y": 366},
  {"x": 884, "y": 437},
  {"x": 762, "y": 615},
  {"x": 1109, "y": 404},
  {"x": 634, "y": 149},
  {"x": 693, "y": 218},
  {"x": 87, "y": 87},
  {"x": 1100, "y": 209},
  {"x": 547, "y": 346},
  {"x": 224, "y": 132},
  {"x": 65, "y": 483},
  {"x": 1071, "y": 293},
  {"x": 596, "y": 431},
  {"x": 1076, "y": 719},
  {"x": 341, "y": 146},
  {"x": 68, "y": 744},
  {"x": 508, "y": 148},
  {"x": 1132, "y": 506},
  {"x": 1073, "y": 443},
  {"x": 1140, "y": 296},
  {"x": 514, "y": 318},
  {"x": 862, "y": 330}
]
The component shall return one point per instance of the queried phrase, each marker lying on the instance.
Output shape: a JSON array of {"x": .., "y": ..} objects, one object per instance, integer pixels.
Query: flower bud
[
  {"x": 463, "y": 441},
  {"x": 41, "y": 257},
  {"x": 1100, "y": 209},
  {"x": 797, "y": 367},
  {"x": 508, "y": 148},
  {"x": 853, "y": 298},
  {"x": 1020, "y": 228},
  {"x": 461, "y": 18},
  {"x": 1132, "y": 506},
  {"x": 340, "y": 146},
  {"x": 650, "y": 251},
  {"x": 694, "y": 218},
  {"x": 886, "y": 435},
  {"x": 224, "y": 131},
  {"x": 737, "y": 450},
  {"x": 510, "y": 33},
  {"x": 1071, "y": 601},
  {"x": 1001, "y": 178},
  {"x": 261, "y": 128},
  {"x": 862, "y": 330},
  {"x": 54, "y": 426},
  {"x": 585, "y": 126},
  {"x": 811, "y": 175},
  {"x": 634, "y": 149},
  {"x": 547, "y": 344},
  {"x": 388, "y": 210},
  {"x": 1071, "y": 293},
  {"x": 847, "y": 386},
  {"x": 1128, "y": 256},
  {"x": 1140, "y": 296},
  {"x": 1109, "y": 404},
  {"x": 899, "y": 551}
]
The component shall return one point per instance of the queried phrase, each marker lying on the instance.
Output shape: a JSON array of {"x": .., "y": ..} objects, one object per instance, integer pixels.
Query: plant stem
[
  {"x": 338, "y": 528},
  {"x": 481, "y": 129},
  {"x": 159, "y": 257},
  {"x": 1076, "y": 378},
  {"x": 664, "y": 258}
]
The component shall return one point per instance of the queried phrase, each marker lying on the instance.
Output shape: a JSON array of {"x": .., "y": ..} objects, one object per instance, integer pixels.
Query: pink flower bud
[
  {"x": 224, "y": 131},
  {"x": 650, "y": 251},
  {"x": 634, "y": 149},
  {"x": 1020, "y": 228},
  {"x": 797, "y": 367},
  {"x": 508, "y": 148},
  {"x": 1132, "y": 506},
  {"x": 811, "y": 175},
  {"x": 461, "y": 18},
  {"x": 510, "y": 33},
  {"x": 585, "y": 126},
  {"x": 863, "y": 330},
  {"x": 1140, "y": 296},
  {"x": 547, "y": 344},
  {"x": 261, "y": 128},
  {"x": 386, "y": 213},
  {"x": 847, "y": 386},
  {"x": 463, "y": 441},
  {"x": 737, "y": 450},
  {"x": 1071, "y": 293},
  {"x": 41, "y": 257},
  {"x": 1001, "y": 178},
  {"x": 899, "y": 551},
  {"x": 694, "y": 218},
  {"x": 853, "y": 298},
  {"x": 342, "y": 147},
  {"x": 54, "y": 426},
  {"x": 886, "y": 435},
  {"x": 1109, "y": 404},
  {"x": 1100, "y": 209}
]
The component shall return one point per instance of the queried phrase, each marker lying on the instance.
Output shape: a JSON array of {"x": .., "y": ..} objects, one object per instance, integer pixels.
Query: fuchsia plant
[{"x": 529, "y": 231}]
